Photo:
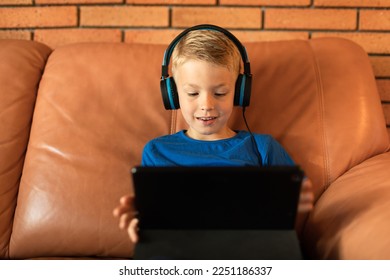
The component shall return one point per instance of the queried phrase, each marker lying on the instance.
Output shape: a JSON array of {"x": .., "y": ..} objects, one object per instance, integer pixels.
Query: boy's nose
[{"x": 207, "y": 102}]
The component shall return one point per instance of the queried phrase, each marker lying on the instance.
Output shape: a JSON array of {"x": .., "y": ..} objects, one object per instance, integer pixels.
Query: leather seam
[{"x": 320, "y": 94}]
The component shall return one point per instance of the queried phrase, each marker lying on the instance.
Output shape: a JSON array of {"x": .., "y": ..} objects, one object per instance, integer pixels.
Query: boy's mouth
[
  {"x": 207, "y": 121},
  {"x": 206, "y": 118}
]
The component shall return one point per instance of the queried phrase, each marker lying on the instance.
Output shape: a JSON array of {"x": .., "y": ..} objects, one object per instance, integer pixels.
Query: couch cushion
[{"x": 97, "y": 106}]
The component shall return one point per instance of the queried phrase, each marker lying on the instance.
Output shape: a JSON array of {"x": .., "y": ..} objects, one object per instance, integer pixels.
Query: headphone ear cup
[
  {"x": 169, "y": 93},
  {"x": 242, "y": 92}
]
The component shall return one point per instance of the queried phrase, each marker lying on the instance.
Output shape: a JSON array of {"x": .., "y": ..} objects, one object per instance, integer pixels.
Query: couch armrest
[
  {"x": 21, "y": 67},
  {"x": 351, "y": 219}
]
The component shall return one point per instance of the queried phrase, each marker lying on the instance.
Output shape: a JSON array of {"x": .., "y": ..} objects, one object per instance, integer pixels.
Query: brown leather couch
[{"x": 74, "y": 120}]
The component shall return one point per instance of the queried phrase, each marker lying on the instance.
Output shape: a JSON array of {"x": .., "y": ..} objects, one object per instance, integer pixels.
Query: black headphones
[{"x": 243, "y": 84}]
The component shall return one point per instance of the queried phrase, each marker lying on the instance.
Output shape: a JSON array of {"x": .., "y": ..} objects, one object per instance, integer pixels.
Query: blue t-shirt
[{"x": 180, "y": 150}]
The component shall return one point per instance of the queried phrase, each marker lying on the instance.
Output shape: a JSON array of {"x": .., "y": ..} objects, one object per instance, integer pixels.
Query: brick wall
[{"x": 59, "y": 22}]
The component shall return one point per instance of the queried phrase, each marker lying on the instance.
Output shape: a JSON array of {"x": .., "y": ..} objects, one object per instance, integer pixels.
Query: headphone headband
[
  {"x": 168, "y": 86},
  {"x": 240, "y": 47}
]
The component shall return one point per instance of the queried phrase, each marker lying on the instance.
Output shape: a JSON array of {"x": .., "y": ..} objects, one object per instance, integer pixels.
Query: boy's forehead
[
  {"x": 191, "y": 63},
  {"x": 194, "y": 71}
]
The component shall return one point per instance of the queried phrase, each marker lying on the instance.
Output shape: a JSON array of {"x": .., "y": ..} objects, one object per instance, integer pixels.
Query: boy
[{"x": 205, "y": 67}]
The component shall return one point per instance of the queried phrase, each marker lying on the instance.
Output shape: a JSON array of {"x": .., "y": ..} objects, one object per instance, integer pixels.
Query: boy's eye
[
  {"x": 192, "y": 93},
  {"x": 220, "y": 94}
]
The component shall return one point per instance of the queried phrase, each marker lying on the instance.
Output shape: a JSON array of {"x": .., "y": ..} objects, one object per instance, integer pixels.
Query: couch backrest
[
  {"x": 319, "y": 98},
  {"x": 99, "y": 103},
  {"x": 21, "y": 67},
  {"x": 328, "y": 108}
]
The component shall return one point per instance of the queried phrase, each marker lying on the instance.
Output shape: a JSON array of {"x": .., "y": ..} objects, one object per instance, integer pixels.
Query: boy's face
[{"x": 206, "y": 94}]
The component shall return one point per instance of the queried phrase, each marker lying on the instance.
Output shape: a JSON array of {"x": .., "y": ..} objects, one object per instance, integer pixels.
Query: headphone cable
[{"x": 259, "y": 158}]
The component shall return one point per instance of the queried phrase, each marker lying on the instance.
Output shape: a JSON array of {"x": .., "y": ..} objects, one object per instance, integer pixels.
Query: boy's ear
[
  {"x": 169, "y": 93},
  {"x": 242, "y": 94}
]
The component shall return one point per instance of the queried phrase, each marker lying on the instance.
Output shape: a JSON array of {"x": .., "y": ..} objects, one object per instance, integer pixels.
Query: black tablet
[{"x": 218, "y": 213}]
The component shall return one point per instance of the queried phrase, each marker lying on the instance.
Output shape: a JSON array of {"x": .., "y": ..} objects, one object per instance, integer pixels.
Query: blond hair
[{"x": 207, "y": 45}]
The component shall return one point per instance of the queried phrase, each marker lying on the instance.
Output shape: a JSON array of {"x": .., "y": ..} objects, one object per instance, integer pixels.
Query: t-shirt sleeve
[
  {"x": 275, "y": 154},
  {"x": 147, "y": 155}
]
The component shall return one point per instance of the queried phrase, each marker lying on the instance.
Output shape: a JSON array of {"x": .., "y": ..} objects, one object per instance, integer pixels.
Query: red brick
[
  {"x": 352, "y": 3},
  {"x": 124, "y": 16},
  {"x": 152, "y": 36},
  {"x": 344, "y": 19},
  {"x": 256, "y": 36},
  {"x": 77, "y": 1},
  {"x": 175, "y": 2},
  {"x": 266, "y": 2},
  {"x": 38, "y": 17},
  {"x": 16, "y": 2},
  {"x": 374, "y": 20},
  {"x": 384, "y": 89},
  {"x": 13, "y": 34},
  {"x": 58, "y": 37},
  {"x": 228, "y": 17},
  {"x": 167, "y": 35},
  {"x": 381, "y": 66},
  {"x": 374, "y": 43}
]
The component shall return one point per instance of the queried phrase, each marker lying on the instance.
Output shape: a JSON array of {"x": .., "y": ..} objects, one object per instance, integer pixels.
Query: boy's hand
[
  {"x": 306, "y": 198},
  {"x": 126, "y": 213}
]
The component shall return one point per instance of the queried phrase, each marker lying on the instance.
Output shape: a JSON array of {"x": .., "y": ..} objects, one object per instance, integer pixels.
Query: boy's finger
[{"x": 132, "y": 230}]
